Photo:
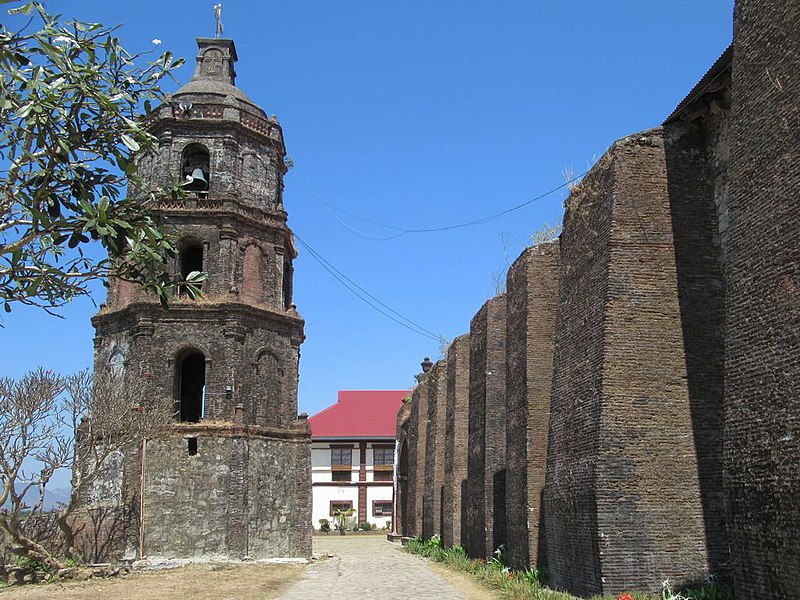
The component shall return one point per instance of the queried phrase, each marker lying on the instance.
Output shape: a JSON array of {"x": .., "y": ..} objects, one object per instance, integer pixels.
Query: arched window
[
  {"x": 196, "y": 166},
  {"x": 190, "y": 377},
  {"x": 190, "y": 260}
]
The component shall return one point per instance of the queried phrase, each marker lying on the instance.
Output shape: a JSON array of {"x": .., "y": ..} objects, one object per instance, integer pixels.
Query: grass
[
  {"x": 531, "y": 583},
  {"x": 199, "y": 582}
]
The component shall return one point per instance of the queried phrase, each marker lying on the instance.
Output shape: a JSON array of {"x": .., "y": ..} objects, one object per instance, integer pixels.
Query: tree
[
  {"x": 70, "y": 111},
  {"x": 49, "y": 422}
]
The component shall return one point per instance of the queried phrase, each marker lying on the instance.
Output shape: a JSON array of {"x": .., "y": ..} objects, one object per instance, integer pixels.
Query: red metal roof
[{"x": 359, "y": 414}]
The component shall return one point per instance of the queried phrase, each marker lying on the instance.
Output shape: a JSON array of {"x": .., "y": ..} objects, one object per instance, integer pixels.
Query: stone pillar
[
  {"x": 531, "y": 301},
  {"x": 762, "y": 350},
  {"x": 456, "y": 433},
  {"x": 487, "y": 427}
]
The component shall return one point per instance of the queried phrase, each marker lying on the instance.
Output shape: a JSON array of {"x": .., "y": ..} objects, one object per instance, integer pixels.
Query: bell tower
[{"x": 233, "y": 477}]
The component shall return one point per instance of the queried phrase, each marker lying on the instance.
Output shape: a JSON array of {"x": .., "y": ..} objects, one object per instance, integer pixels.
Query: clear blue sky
[{"x": 416, "y": 114}]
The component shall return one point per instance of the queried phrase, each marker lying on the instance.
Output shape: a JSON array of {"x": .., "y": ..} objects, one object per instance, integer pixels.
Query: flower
[
  {"x": 156, "y": 41},
  {"x": 625, "y": 597}
]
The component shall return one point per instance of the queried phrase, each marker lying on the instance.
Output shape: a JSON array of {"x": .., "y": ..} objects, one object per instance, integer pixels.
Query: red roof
[{"x": 359, "y": 414}]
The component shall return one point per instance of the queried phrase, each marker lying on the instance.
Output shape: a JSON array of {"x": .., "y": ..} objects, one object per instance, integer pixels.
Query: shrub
[
  {"x": 324, "y": 525},
  {"x": 364, "y": 526}
]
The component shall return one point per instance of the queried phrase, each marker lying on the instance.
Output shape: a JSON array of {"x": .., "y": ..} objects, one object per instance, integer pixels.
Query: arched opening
[
  {"x": 196, "y": 168},
  {"x": 190, "y": 260},
  {"x": 191, "y": 378}
]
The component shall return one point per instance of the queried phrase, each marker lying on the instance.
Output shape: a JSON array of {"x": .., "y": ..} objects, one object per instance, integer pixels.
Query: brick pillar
[
  {"x": 456, "y": 432},
  {"x": 434, "y": 449},
  {"x": 762, "y": 351},
  {"x": 418, "y": 424},
  {"x": 623, "y": 497},
  {"x": 487, "y": 426},
  {"x": 532, "y": 299},
  {"x": 362, "y": 479}
]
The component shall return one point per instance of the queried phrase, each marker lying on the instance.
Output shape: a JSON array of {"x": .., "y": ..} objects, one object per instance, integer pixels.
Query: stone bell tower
[{"x": 233, "y": 477}]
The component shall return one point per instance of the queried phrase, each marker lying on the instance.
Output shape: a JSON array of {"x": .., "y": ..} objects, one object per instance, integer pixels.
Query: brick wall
[
  {"x": 623, "y": 499},
  {"x": 417, "y": 436},
  {"x": 531, "y": 300},
  {"x": 436, "y": 381},
  {"x": 456, "y": 433},
  {"x": 400, "y": 517},
  {"x": 762, "y": 360},
  {"x": 487, "y": 425}
]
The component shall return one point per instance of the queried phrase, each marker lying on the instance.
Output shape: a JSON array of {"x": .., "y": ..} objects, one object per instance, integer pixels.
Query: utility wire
[
  {"x": 365, "y": 296},
  {"x": 403, "y": 231}
]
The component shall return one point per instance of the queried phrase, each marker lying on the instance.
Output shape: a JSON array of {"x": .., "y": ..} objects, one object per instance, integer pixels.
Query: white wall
[{"x": 323, "y": 495}]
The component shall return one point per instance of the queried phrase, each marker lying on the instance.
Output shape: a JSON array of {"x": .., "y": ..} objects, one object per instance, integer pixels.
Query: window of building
[
  {"x": 381, "y": 508},
  {"x": 341, "y": 463},
  {"x": 342, "y": 456},
  {"x": 341, "y": 475},
  {"x": 196, "y": 169},
  {"x": 191, "y": 260},
  {"x": 383, "y": 455},
  {"x": 191, "y": 379},
  {"x": 340, "y": 505},
  {"x": 383, "y": 463}
]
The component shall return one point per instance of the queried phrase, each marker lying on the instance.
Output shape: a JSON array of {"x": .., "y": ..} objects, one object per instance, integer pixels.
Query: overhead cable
[{"x": 366, "y": 297}]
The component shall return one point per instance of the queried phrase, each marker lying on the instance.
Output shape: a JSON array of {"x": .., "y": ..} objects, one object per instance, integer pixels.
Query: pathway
[{"x": 368, "y": 567}]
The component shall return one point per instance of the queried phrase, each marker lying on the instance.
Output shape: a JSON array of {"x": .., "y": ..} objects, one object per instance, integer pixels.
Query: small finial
[{"x": 218, "y": 17}]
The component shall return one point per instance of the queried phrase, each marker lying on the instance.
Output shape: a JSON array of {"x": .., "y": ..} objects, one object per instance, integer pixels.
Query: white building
[{"x": 352, "y": 456}]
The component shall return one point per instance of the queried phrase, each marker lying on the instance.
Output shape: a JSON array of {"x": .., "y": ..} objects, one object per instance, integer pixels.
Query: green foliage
[
  {"x": 493, "y": 573},
  {"x": 324, "y": 525},
  {"x": 710, "y": 591},
  {"x": 342, "y": 517},
  {"x": 365, "y": 526},
  {"x": 31, "y": 565},
  {"x": 69, "y": 109}
]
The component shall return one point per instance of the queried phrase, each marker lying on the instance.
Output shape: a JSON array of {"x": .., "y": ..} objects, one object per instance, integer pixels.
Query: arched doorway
[{"x": 191, "y": 379}]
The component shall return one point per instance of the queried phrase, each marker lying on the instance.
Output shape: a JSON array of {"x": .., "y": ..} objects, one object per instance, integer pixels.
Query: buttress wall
[
  {"x": 622, "y": 406},
  {"x": 487, "y": 429},
  {"x": 434, "y": 450},
  {"x": 532, "y": 298},
  {"x": 454, "y": 528}
]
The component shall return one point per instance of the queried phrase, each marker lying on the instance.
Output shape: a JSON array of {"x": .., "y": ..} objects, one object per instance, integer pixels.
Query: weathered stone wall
[
  {"x": 487, "y": 429},
  {"x": 417, "y": 437},
  {"x": 434, "y": 450},
  {"x": 456, "y": 441},
  {"x": 624, "y": 500},
  {"x": 762, "y": 361},
  {"x": 230, "y": 499},
  {"x": 532, "y": 298}
]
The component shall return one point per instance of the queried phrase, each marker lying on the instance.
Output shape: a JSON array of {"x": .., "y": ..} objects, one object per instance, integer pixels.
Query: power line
[
  {"x": 402, "y": 230},
  {"x": 365, "y": 296}
]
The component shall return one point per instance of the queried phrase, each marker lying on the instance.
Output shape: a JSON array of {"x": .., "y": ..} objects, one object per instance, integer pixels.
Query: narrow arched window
[
  {"x": 191, "y": 260},
  {"x": 190, "y": 378},
  {"x": 196, "y": 168}
]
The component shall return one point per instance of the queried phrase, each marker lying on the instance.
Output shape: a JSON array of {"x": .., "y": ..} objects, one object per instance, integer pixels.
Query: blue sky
[{"x": 417, "y": 115}]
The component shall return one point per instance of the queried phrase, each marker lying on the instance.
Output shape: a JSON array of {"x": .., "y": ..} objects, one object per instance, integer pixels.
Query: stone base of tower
[{"x": 210, "y": 490}]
